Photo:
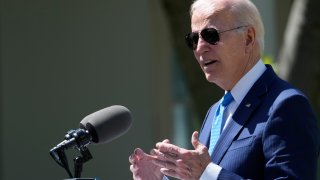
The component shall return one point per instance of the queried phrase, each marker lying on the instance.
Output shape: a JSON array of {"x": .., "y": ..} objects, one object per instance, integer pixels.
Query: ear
[{"x": 250, "y": 38}]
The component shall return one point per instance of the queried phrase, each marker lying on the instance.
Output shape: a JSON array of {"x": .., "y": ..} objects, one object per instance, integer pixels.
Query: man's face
[{"x": 225, "y": 62}]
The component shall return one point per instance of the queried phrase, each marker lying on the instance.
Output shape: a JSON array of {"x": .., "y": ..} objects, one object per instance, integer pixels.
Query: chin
[
  {"x": 210, "y": 78},
  {"x": 214, "y": 80}
]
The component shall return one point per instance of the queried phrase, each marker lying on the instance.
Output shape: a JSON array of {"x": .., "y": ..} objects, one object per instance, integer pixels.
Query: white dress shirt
[{"x": 239, "y": 91}]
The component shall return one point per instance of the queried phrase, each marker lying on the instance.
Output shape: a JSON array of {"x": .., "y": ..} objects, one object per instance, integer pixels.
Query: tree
[{"x": 299, "y": 61}]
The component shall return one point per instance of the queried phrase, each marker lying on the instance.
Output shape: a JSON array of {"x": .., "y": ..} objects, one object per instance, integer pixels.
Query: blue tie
[{"x": 216, "y": 124}]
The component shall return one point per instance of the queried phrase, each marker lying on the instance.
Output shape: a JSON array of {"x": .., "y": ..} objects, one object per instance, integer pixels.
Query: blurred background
[{"x": 64, "y": 59}]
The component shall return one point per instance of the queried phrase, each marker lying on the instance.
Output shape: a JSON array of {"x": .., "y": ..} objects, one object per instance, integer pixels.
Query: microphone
[
  {"x": 107, "y": 124},
  {"x": 99, "y": 127}
]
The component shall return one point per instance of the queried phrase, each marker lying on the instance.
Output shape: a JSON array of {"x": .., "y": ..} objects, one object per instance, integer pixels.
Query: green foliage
[{"x": 268, "y": 59}]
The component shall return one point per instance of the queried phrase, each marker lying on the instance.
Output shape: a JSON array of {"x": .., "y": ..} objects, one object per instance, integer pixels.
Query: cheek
[
  {"x": 197, "y": 57},
  {"x": 236, "y": 51},
  {"x": 232, "y": 58}
]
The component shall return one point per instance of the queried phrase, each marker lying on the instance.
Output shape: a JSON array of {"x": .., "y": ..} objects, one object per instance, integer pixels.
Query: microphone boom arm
[{"x": 78, "y": 139}]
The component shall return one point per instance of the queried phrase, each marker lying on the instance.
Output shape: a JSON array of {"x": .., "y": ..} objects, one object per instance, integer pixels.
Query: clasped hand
[{"x": 170, "y": 160}]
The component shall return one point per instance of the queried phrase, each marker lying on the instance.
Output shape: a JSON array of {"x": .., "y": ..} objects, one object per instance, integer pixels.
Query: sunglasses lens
[
  {"x": 192, "y": 40},
  {"x": 210, "y": 35}
]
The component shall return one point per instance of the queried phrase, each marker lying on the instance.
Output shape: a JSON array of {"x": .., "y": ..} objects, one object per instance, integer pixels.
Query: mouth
[{"x": 209, "y": 62}]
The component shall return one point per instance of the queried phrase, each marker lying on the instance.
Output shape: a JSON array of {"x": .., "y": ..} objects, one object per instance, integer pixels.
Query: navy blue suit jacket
[{"x": 272, "y": 135}]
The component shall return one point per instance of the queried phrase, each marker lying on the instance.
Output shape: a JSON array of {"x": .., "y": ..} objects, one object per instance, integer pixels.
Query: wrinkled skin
[
  {"x": 182, "y": 163},
  {"x": 142, "y": 166}
]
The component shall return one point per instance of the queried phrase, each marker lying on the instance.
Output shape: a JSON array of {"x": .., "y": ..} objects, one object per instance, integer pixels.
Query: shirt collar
[{"x": 243, "y": 86}]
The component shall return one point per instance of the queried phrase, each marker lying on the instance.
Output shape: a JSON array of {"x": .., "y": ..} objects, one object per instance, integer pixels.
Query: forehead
[{"x": 219, "y": 19}]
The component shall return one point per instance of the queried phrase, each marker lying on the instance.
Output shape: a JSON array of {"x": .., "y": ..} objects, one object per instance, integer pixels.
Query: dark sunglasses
[{"x": 210, "y": 35}]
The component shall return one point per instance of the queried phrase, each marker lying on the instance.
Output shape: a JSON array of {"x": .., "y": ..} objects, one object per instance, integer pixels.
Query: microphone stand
[
  {"x": 78, "y": 161},
  {"x": 60, "y": 157}
]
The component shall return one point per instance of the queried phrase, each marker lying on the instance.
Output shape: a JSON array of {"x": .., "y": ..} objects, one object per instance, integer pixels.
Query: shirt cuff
[
  {"x": 165, "y": 178},
  {"x": 211, "y": 172}
]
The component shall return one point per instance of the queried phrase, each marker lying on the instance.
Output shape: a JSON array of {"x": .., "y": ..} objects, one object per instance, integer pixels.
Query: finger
[
  {"x": 155, "y": 152},
  {"x": 142, "y": 155},
  {"x": 138, "y": 152},
  {"x": 183, "y": 166},
  {"x": 131, "y": 168},
  {"x": 159, "y": 155},
  {"x": 134, "y": 171},
  {"x": 169, "y": 172},
  {"x": 132, "y": 158},
  {"x": 168, "y": 148},
  {"x": 166, "y": 141},
  {"x": 195, "y": 141},
  {"x": 178, "y": 173},
  {"x": 164, "y": 164},
  {"x": 164, "y": 156}
]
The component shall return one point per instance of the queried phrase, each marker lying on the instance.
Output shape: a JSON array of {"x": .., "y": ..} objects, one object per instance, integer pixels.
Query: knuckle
[
  {"x": 152, "y": 152},
  {"x": 204, "y": 149},
  {"x": 186, "y": 154},
  {"x": 179, "y": 162},
  {"x": 170, "y": 149},
  {"x": 131, "y": 158}
]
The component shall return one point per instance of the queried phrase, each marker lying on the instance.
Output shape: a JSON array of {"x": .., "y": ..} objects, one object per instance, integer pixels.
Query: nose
[{"x": 202, "y": 46}]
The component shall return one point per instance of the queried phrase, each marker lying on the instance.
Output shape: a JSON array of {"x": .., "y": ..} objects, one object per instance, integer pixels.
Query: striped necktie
[{"x": 216, "y": 124}]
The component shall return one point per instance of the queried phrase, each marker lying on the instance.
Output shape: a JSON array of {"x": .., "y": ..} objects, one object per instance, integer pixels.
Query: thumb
[
  {"x": 195, "y": 141},
  {"x": 139, "y": 153}
]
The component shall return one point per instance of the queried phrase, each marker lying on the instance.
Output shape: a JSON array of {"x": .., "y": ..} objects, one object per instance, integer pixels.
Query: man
[{"x": 262, "y": 128}]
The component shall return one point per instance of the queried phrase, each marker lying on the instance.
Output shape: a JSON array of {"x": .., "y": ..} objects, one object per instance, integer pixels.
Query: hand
[
  {"x": 182, "y": 163},
  {"x": 142, "y": 167}
]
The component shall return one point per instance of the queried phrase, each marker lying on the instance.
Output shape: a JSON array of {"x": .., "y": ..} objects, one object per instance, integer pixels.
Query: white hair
[{"x": 244, "y": 12}]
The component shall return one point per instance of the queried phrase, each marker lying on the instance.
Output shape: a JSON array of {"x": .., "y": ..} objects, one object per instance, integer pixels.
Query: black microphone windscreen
[{"x": 107, "y": 124}]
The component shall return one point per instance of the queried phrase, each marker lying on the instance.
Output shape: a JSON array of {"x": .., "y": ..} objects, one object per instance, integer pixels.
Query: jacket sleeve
[{"x": 291, "y": 140}]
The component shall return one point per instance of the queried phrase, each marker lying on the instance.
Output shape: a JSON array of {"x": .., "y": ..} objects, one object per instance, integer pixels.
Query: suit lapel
[
  {"x": 233, "y": 128},
  {"x": 248, "y": 105}
]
